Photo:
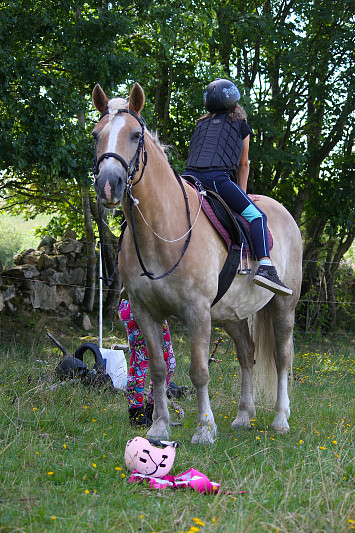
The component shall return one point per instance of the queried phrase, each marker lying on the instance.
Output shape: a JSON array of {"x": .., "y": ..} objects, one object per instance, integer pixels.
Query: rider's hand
[{"x": 254, "y": 197}]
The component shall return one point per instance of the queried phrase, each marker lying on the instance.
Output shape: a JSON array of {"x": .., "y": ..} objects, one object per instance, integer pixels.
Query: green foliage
[
  {"x": 49, "y": 66},
  {"x": 345, "y": 296},
  {"x": 293, "y": 62}
]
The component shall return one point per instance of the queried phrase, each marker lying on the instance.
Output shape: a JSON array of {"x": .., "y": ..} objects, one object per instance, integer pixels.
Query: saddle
[{"x": 234, "y": 230}]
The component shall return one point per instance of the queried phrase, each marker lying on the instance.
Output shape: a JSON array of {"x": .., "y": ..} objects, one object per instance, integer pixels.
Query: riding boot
[
  {"x": 138, "y": 417},
  {"x": 266, "y": 276},
  {"x": 148, "y": 411}
]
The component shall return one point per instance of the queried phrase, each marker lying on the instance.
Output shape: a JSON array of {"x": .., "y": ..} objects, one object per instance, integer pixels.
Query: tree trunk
[
  {"x": 89, "y": 296},
  {"x": 109, "y": 252}
]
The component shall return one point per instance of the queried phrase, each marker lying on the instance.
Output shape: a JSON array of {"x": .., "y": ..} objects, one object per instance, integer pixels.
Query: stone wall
[{"x": 51, "y": 278}]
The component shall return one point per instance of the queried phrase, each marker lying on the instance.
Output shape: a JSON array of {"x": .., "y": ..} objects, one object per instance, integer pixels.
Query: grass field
[
  {"x": 61, "y": 450},
  {"x": 17, "y": 234}
]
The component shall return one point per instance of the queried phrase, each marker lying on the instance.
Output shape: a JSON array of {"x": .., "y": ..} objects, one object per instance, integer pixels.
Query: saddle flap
[{"x": 234, "y": 230}]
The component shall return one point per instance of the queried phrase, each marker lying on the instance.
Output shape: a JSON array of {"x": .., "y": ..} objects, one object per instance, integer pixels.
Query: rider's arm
[{"x": 243, "y": 170}]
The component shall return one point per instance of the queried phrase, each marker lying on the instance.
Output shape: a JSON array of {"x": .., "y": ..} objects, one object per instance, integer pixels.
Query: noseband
[{"x": 131, "y": 168}]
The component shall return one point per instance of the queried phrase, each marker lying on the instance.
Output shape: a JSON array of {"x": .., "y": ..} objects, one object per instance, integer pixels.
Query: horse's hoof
[
  {"x": 240, "y": 426},
  {"x": 204, "y": 435},
  {"x": 280, "y": 430},
  {"x": 241, "y": 422},
  {"x": 158, "y": 431},
  {"x": 280, "y": 426}
]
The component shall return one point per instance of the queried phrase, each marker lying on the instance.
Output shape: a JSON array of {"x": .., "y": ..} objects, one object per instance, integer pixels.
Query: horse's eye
[
  {"x": 95, "y": 135},
  {"x": 136, "y": 136}
]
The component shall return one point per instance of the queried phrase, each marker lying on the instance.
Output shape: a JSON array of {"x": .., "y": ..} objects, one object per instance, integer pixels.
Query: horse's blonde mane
[
  {"x": 163, "y": 147},
  {"x": 116, "y": 104}
]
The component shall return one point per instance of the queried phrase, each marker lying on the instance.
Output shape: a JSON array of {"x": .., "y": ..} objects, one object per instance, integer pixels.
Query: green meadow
[
  {"x": 18, "y": 234},
  {"x": 61, "y": 448}
]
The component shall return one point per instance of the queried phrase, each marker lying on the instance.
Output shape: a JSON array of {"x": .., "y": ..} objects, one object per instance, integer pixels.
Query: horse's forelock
[{"x": 115, "y": 104}]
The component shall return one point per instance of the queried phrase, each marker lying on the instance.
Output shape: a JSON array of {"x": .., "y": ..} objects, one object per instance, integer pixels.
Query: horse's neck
[{"x": 159, "y": 195}]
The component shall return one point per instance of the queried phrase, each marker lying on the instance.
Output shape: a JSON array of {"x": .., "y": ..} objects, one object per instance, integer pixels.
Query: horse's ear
[
  {"x": 136, "y": 98},
  {"x": 99, "y": 98}
]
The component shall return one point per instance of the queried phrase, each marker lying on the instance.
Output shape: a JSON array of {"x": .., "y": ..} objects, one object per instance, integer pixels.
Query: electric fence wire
[
  {"x": 320, "y": 262},
  {"x": 90, "y": 243}
]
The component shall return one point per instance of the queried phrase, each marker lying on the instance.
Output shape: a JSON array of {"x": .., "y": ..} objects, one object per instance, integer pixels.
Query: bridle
[
  {"x": 132, "y": 167},
  {"x": 131, "y": 170}
]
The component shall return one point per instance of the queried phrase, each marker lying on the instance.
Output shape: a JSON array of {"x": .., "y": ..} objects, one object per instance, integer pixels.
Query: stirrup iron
[{"x": 243, "y": 271}]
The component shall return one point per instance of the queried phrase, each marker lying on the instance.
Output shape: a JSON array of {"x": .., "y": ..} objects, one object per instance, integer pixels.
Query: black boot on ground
[
  {"x": 138, "y": 417},
  {"x": 149, "y": 408}
]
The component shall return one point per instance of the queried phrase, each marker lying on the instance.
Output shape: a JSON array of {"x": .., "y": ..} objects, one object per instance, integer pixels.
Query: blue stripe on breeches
[{"x": 240, "y": 202}]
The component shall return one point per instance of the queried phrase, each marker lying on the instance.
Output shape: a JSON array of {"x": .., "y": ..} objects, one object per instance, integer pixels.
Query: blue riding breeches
[{"x": 232, "y": 194}]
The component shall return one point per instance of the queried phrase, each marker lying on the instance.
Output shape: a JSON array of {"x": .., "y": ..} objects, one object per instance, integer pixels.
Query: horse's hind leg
[
  {"x": 239, "y": 331},
  {"x": 282, "y": 314},
  {"x": 200, "y": 331}
]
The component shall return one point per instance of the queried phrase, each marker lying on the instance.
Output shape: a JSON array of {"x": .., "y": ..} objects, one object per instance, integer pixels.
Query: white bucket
[
  {"x": 116, "y": 367},
  {"x": 114, "y": 360}
]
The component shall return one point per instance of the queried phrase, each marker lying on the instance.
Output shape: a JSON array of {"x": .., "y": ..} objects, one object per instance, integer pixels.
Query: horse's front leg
[
  {"x": 200, "y": 332},
  {"x": 154, "y": 338},
  {"x": 239, "y": 331},
  {"x": 157, "y": 368}
]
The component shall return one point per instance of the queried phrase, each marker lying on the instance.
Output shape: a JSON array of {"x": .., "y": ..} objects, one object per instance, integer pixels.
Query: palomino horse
[{"x": 167, "y": 232}]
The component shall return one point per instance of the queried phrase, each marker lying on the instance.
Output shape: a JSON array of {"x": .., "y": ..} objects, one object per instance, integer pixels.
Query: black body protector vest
[{"x": 216, "y": 144}]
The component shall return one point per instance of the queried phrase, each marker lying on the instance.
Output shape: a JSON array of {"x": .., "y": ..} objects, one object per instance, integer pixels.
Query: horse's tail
[{"x": 265, "y": 375}]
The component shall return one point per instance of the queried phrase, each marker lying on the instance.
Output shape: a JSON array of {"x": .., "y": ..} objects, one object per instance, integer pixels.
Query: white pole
[{"x": 100, "y": 296}]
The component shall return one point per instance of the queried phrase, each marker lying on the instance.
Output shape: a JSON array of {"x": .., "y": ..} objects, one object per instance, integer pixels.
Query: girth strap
[{"x": 226, "y": 276}]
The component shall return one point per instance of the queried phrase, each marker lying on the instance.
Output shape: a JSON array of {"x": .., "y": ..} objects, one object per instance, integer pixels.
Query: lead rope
[{"x": 136, "y": 202}]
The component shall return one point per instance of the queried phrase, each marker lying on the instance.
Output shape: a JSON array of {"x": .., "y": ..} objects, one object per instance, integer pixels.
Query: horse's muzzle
[{"x": 109, "y": 187}]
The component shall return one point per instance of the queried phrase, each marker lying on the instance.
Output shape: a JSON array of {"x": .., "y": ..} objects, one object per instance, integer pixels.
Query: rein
[
  {"x": 151, "y": 275},
  {"x": 131, "y": 172}
]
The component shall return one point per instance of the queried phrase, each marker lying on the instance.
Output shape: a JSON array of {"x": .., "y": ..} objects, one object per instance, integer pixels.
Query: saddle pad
[
  {"x": 224, "y": 232},
  {"x": 216, "y": 223}
]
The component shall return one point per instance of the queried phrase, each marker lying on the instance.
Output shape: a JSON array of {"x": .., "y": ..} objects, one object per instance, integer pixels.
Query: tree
[
  {"x": 292, "y": 59},
  {"x": 51, "y": 58}
]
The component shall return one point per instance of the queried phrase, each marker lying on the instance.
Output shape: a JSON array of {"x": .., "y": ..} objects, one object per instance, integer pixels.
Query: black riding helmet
[{"x": 220, "y": 96}]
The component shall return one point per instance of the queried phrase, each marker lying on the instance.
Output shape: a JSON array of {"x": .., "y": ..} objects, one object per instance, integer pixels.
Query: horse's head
[{"x": 119, "y": 137}]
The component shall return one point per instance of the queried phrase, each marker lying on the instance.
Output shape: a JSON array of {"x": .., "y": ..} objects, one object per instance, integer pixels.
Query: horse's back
[
  {"x": 244, "y": 298},
  {"x": 280, "y": 221}
]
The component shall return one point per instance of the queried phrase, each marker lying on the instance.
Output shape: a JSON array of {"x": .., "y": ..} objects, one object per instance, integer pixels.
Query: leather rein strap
[{"x": 151, "y": 275}]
